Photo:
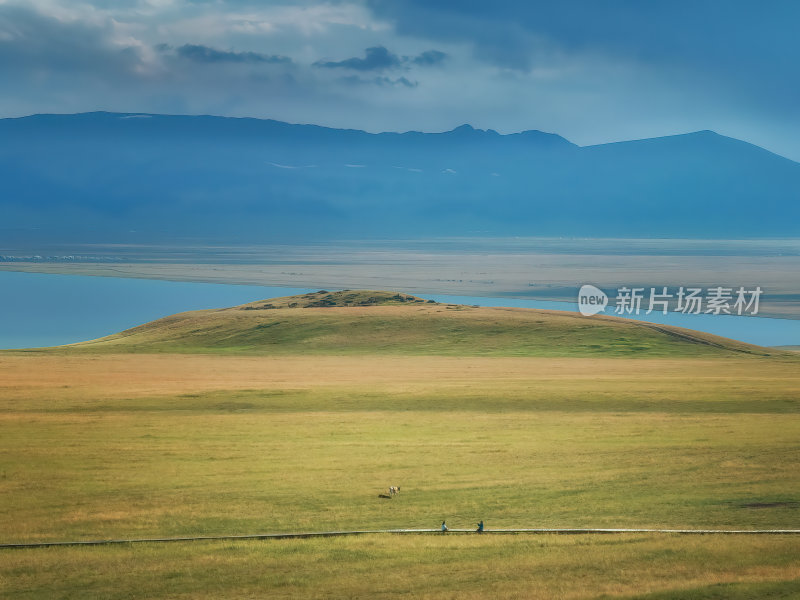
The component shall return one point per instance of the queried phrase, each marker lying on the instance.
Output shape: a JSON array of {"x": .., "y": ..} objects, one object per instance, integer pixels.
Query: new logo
[{"x": 591, "y": 300}]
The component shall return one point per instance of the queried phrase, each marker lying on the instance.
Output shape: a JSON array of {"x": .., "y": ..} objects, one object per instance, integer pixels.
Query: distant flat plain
[{"x": 534, "y": 268}]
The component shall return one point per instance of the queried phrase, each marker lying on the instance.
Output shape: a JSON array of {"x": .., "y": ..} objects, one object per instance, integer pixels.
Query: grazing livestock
[{"x": 395, "y": 489}]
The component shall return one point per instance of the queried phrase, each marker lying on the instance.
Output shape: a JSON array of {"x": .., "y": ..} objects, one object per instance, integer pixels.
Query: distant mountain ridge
[{"x": 113, "y": 176}]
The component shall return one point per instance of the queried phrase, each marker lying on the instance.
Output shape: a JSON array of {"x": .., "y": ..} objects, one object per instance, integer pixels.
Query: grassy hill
[
  {"x": 378, "y": 322},
  {"x": 296, "y": 414}
]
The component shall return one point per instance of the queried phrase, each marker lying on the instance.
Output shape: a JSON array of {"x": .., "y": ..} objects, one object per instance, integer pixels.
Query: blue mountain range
[{"x": 110, "y": 176}]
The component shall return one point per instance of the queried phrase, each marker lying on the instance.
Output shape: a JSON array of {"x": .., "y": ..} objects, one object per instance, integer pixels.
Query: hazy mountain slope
[{"x": 106, "y": 175}]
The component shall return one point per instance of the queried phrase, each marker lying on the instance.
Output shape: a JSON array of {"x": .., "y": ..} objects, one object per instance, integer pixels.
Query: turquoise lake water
[{"x": 48, "y": 310}]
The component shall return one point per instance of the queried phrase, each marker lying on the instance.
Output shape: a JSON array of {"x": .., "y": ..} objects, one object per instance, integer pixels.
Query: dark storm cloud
[
  {"x": 404, "y": 81},
  {"x": 680, "y": 28},
  {"x": 429, "y": 58},
  {"x": 379, "y": 58},
  {"x": 206, "y": 54},
  {"x": 748, "y": 45},
  {"x": 379, "y": 81}
]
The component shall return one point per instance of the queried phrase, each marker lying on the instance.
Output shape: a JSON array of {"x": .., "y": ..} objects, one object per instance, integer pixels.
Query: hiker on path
[
  {"x": 444, "y": 526},
  {"x": 480, "y": 527}
]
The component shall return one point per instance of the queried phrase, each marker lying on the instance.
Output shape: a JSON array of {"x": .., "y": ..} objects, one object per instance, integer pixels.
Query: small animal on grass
[{"x": 395, "y": 489}]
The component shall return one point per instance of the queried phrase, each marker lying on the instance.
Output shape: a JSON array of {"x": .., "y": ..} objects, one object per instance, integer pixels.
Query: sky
[{"x": 593, "y": 71}]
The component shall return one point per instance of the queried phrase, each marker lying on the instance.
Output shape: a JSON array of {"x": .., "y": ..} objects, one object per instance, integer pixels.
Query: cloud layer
[{"x": 591, "y": 71}]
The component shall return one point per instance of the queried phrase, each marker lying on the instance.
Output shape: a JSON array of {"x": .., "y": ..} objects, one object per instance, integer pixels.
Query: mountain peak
[
  {"x": 464, "y": 130},
  {"x": 540, "y": 138},
  {"x": 144, "y": 178}
]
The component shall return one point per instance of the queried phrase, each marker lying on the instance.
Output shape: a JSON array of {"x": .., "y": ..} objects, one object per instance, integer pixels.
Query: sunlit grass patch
[
  {"x": 518, "y": 566},
  {"x": 100, "y": 446}
]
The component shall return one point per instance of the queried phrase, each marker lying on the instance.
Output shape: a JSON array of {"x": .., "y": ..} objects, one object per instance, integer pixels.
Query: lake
[{"x": 48, "y": 310}]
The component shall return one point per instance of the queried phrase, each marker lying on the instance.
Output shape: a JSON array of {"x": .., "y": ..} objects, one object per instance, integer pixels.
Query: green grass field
[
  {"x": 631, "y": 566},
  {"x": 368, "y": 323},
  {"x": 99, "y": 445}
]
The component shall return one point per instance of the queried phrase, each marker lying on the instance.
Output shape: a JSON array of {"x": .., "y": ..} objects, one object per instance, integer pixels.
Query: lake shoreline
[
  {"x": 546, "y": 278},
  {"x": 51, "y": 309}
]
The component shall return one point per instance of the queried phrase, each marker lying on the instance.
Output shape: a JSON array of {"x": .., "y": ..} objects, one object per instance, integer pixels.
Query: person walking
[
  {"x": 480, "y": 527},
  {"x": 444, "y": 526}
]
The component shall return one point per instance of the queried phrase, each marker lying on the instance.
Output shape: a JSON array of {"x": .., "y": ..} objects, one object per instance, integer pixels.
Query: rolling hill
[
  {"x": 376, "y": 322},
  {"x": 112, "y": 177}
]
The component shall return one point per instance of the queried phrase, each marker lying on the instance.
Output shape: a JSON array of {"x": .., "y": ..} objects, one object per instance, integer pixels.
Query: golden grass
[
  {"x": 33, "y": 376},
  {"x": 438, "y": 567},
  {"x": 103, "y": 446}
]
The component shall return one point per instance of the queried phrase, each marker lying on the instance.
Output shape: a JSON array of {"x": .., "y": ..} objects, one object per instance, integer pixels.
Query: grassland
[
  {"x": 103, "y": 444},
  {"x": 632, "y": 566},
  {"x": 368, "y": 323}
]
